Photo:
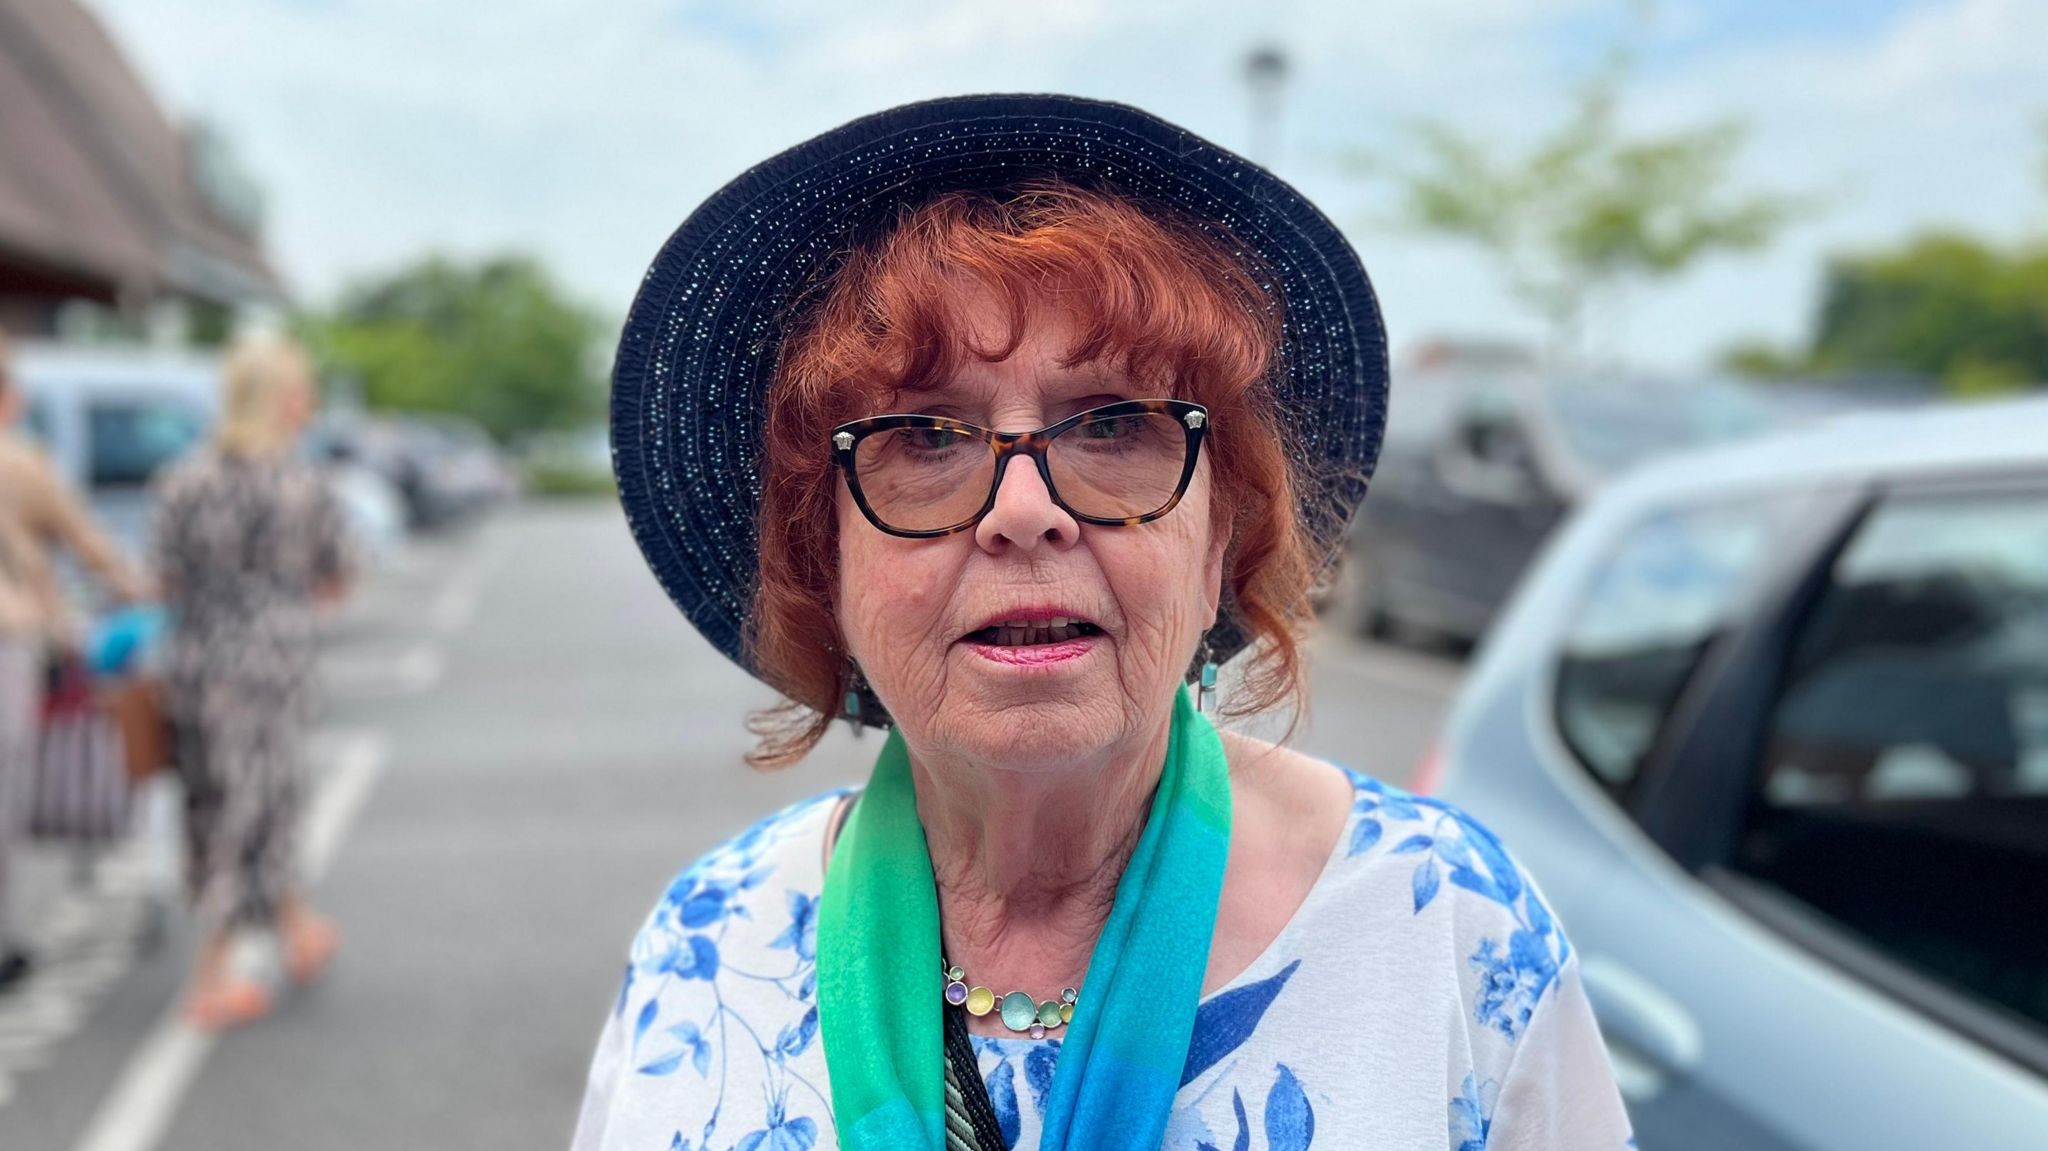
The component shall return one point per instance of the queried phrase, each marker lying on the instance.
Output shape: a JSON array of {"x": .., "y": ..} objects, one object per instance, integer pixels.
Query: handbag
[
  {"x": 134, "y": 705},
  {"x": 82, "y": 789}
]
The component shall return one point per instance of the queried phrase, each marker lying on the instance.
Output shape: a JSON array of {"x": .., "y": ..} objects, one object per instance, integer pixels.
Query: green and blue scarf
[{"x": 1121, "y": 1059}]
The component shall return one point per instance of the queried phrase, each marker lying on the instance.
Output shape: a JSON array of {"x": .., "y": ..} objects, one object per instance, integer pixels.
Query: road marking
[
  {"x": 88, "y": 938},
  {"x": 418, "y": 669},
  {"x": 340, "y": 800},
  {"x": 456, "y": 606},
  {"x": 138, "y": 1111}
]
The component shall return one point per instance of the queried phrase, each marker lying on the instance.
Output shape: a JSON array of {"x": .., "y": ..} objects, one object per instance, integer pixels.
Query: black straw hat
[{"x": 700, "y": 344}]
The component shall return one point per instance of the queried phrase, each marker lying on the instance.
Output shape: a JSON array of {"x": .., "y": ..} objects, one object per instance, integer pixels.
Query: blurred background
[{"x": 1708, "y": 560}]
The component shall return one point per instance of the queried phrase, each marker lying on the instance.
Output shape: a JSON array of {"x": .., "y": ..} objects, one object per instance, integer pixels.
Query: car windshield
[{"x": 1612, "y": 425}]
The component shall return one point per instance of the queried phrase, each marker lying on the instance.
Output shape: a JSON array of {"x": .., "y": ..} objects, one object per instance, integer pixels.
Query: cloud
[{"x": 585, "y": 133}]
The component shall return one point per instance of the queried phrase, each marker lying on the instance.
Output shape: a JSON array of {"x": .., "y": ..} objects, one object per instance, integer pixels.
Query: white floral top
[{"x": 1422, "y": 997}]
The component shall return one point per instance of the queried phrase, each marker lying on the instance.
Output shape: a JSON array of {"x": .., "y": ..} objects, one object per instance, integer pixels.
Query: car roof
[
  {"x": 45, "y": 367},
  {"x": 1919, "y": 443}
]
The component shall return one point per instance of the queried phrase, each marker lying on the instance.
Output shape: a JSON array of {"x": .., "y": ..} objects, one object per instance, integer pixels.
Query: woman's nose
[{"x": 1024, "y": 515}]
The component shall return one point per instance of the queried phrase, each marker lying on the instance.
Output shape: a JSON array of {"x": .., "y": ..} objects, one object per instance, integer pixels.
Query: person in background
[
  {"x": 249, "y": 544},
  {"x": 39, "y": 513}
]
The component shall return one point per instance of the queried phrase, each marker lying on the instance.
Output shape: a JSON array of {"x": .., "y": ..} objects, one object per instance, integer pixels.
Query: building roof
[{"x": 101, "y": 194}]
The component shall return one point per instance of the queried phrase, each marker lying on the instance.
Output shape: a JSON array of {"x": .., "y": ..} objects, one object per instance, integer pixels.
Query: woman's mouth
[
  {"x": 1033, "y": 633},
  {"x": 1034, "y": 643}
]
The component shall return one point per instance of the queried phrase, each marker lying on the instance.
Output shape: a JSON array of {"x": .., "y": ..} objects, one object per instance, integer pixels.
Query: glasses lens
[
  {"x": 1119, "y": 467},
  {"x": 924, "y": 479}
]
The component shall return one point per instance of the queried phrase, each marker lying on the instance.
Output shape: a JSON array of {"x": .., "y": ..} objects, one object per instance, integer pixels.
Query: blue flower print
[
  {"x": 1038, "y": 1069},
  {"x": 799, "y": 1134},
  {"x": 681, "y": 946},
  {"x": 802, "y": 932},
  {"x": 694, "y": 1047},
  {"x": 1511, "y": 982},
  {"x": 1472, "y": 1114},
  {"x": 1450, "y": 845},
  {"x": 1002, "y": 1099},
  {"x": 1290, "y": 1121},
  {"x": 796, "y": 1037}
]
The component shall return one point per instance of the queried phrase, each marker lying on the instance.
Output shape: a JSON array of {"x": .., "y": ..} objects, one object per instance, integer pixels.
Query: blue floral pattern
[
  {"x": 681, "y": 943},
  {"x": 1447, "y": 843},
  {"x": 712, "y": 1044}
]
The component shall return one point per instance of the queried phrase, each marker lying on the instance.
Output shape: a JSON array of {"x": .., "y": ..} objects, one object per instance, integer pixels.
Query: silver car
[{"x": 1771, "y": 723}]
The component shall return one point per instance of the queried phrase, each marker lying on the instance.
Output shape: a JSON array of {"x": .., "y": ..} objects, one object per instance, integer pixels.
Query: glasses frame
[{"x": 1193, "y": 420}]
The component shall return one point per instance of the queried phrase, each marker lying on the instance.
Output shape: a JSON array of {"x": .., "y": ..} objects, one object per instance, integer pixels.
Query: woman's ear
[
  {"x": 1212, "y": 573},
  {"x": 1222, "y": 522}
]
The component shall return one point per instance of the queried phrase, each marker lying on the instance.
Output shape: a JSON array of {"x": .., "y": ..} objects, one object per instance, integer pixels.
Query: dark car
[
  {"x": 445, "y": 468},
  {"x": 1480, "y": 467}
]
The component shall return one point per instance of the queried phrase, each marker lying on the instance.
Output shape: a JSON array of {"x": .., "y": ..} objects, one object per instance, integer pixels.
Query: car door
[{"x": 1836, "y": 937}]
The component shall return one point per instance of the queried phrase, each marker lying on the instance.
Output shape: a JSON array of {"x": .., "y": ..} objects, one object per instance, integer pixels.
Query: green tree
[
  {"x": 1945, "y": 306},
  {"x": 496, "y": 341},
  {"x": 1589, "y": 208}
]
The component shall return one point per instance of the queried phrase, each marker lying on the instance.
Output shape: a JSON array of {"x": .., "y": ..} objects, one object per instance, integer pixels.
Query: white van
[{"x": 111, "y": 417}]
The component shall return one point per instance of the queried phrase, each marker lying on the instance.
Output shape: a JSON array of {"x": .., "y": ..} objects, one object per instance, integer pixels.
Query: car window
[
  {"x": 38, "y": 423},
  {"x": 131, "y": 439},
  {"x": 1904, "y": 783},
  {"x": 1613, "y": 425},
  {"x": 1650, "y": 611}
]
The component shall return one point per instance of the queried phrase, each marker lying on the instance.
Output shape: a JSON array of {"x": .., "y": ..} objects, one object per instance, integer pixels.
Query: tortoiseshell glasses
[{"x": 1116, "y": 465}]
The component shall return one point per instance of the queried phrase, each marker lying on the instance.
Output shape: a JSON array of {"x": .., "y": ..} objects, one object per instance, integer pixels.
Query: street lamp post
[{"x": 1265, "y": 74}]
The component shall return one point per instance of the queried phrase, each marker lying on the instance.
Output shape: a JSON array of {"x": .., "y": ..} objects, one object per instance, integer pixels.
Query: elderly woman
[
  {"x": 249, "y": 541},
  {"x": 994, "y": 421}
]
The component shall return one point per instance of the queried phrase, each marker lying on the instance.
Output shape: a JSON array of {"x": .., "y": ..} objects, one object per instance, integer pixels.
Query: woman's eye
[
  {"x": 1106, "y": 429},
  {"x": 933, "y": 439}
]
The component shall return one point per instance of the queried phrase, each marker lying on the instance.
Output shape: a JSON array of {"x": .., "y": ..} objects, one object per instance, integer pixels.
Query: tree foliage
[
  {"x": 1945, "y": 306},
  {"x": 1589, "y": 207},
  {"x": 496, "y": 341},
  {"x": 1948, "y": 308}
]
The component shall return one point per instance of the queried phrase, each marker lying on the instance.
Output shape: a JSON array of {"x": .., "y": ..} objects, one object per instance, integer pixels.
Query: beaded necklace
[{"x": 1018, "y": 1010}]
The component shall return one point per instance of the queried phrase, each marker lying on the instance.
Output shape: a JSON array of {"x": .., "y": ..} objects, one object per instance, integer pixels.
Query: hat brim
[{"x": 700, "y": 344}]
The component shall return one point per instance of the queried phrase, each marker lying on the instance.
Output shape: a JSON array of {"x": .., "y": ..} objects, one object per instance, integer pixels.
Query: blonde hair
[{"x": 259, "y": 377}]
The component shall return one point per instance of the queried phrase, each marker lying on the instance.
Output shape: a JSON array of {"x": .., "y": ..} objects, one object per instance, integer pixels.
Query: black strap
[{"x": 981, "y": 1113}]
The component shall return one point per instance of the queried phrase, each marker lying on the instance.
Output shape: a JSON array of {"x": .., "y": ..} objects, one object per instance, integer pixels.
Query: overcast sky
[{"x": 584, "y": 131}]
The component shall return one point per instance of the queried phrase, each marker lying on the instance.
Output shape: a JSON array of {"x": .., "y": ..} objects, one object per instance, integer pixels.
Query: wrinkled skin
[
  {"x": 1153, "y": 590},
  {"x": 1033, "y": 788}
]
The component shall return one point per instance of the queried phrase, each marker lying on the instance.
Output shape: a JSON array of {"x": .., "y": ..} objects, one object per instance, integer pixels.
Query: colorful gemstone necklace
[{"x": 1018, "y": 1010}]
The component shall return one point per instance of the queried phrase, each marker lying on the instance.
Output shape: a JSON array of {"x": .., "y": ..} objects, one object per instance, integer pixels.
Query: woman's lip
[{"x": 1035, "y": 654}]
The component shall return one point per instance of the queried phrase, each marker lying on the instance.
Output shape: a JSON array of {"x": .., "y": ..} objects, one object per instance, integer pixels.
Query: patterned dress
[
  {"x": 242, "y": 546},
  {"x": 1422, "y": 997}
]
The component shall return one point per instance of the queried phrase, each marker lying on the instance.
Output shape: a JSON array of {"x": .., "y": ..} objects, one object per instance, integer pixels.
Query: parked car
[
  {"x": 111, "y": 417},
  {"x": 1480, "y": 467},
  {"x": 1771, "y": 724},
  {"x": 445, "y": 469}
]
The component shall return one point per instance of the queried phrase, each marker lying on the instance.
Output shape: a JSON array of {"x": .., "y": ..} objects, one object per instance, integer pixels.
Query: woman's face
[{"x": 915, "y": 611}]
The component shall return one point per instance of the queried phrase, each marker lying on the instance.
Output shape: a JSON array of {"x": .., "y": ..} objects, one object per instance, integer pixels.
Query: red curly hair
[{"x": 1151, "y": 293}]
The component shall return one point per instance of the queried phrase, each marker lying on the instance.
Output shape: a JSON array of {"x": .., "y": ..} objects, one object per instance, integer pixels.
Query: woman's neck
[{"x": 1028, "y": 863}]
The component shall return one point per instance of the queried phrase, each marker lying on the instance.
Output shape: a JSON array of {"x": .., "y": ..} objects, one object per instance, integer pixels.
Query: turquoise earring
[
  {"x": 1205, "y": 683},
  {"x": 855, "y": 685}
]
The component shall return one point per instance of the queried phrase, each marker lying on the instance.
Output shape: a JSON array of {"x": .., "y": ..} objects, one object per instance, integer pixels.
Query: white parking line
[
  {"x": 87, "y": 936},
  {"x": 139, "y": 1109},
  {"x": 418, "y": 669}
]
